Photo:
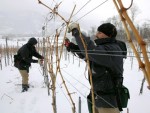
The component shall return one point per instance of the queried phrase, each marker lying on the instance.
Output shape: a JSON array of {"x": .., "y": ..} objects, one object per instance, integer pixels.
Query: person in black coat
[
  {"x": 106, "y": 63},
  {"x": 24, "y": 55}
]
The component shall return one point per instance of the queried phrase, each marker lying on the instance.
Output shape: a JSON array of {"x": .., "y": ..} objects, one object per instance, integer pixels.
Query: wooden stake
[{"x": 125, "y": 19}]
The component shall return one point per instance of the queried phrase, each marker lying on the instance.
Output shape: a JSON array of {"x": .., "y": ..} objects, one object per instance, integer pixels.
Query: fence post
[
  {"x": 7, "y": 51},
  {"x": 79, "y": 105},
  {"x": 1, "y": 56},
  {"x": 1, "y": 63}
]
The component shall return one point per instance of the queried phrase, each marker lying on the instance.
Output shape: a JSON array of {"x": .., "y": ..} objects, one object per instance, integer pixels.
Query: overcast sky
[
  {"x": 67, "y": 5},
  {"x": 92, "y": 19}
]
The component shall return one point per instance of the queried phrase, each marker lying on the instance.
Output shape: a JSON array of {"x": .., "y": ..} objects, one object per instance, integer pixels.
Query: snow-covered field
[{"x": 36, "y": 100}]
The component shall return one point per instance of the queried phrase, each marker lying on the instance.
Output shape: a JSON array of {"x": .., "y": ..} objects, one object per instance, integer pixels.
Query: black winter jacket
[
  {"x": 26, "y": 52},
  {"x": 106, "y": 62}
]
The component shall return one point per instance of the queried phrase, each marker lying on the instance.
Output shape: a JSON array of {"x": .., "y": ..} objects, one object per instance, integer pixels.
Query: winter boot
[
  {"x": 24, "y": 87},
  {"x": 28, "y": 86}
]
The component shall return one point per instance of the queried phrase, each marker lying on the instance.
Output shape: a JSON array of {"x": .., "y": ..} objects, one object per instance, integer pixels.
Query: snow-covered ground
[{"x": 36, "y": 100}]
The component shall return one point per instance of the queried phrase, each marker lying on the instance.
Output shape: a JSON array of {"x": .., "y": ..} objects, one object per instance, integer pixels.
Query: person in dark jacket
[
  {"x": 106, "y": 63},
  {"x": 25, "y": 54}
]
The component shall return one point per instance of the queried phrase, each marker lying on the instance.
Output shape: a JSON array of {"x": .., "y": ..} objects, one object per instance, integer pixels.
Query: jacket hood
[{"x": 32, "y": 41}]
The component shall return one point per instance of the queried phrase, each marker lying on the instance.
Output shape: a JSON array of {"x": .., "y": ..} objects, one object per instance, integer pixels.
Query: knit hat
[
  {"x": 32, "y": 41},
  {"x": 108, "y": 29}
]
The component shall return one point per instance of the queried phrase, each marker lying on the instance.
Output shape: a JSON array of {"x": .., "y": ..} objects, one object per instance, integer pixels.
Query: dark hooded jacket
[
  {"x": 26, "y": 52},
  {"x": 106, "y": 63}
]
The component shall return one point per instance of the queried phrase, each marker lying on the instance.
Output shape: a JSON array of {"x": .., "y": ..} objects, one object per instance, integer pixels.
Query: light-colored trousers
[
  {"x": 107, "y": 110},
  {"x": 25, "y": 76}
]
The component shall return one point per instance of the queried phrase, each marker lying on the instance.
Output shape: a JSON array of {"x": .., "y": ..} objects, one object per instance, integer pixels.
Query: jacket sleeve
[
  {"x": 75, "y": 49},
  {"x": 96, "y": 54},
  {"x": 36, "y": 54},
  {"x": 24, "y": 53}
]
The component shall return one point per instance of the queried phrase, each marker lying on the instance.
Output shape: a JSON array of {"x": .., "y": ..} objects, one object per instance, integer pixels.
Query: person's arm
[
  {"x": 73, "y": 48},
  {"x": 36, "y": 54},
  {"x": 96, "y": 54},
  {"x": 24, "y": 53}
]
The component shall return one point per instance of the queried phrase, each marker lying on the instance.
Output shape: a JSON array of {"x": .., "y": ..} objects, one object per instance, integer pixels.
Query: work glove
[
  {"x": 67, "y": 42},
  {"x": 69, "y": 45},
  {"x": 72, "y": 26}
]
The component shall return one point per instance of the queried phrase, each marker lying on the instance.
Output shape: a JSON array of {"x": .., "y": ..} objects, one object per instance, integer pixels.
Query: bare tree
[
  {"x": 92, "y": 31},
  {"x": 145, "y": 30},
  {"x": 134, "y": 11}
]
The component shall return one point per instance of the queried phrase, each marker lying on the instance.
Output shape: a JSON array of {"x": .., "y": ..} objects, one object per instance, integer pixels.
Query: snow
[{"x": 36, "y": 100}]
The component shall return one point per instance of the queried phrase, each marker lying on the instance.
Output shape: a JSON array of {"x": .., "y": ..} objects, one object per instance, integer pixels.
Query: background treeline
[{"x": 144, "y": 29}]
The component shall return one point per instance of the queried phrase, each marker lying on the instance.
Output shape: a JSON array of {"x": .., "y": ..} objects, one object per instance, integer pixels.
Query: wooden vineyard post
[
  {"x": 59, "y": 54},
  {"x": 145, "y": 66},
  {"x": 89, "y": 70},
  {"x": 1, "y": 51},
  {"x": 7, "y": 51}
]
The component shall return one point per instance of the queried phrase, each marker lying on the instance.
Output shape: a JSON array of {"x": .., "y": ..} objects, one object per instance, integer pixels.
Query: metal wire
[
  {"x": 100, "y": 54},
  {"x": 63, "y": 92},
  {"x": 81, "y": 8},
  {"x": 92, "y": 10},
  {"x": 83, "y": 15},
  {"x": 86, "y": 97}
]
